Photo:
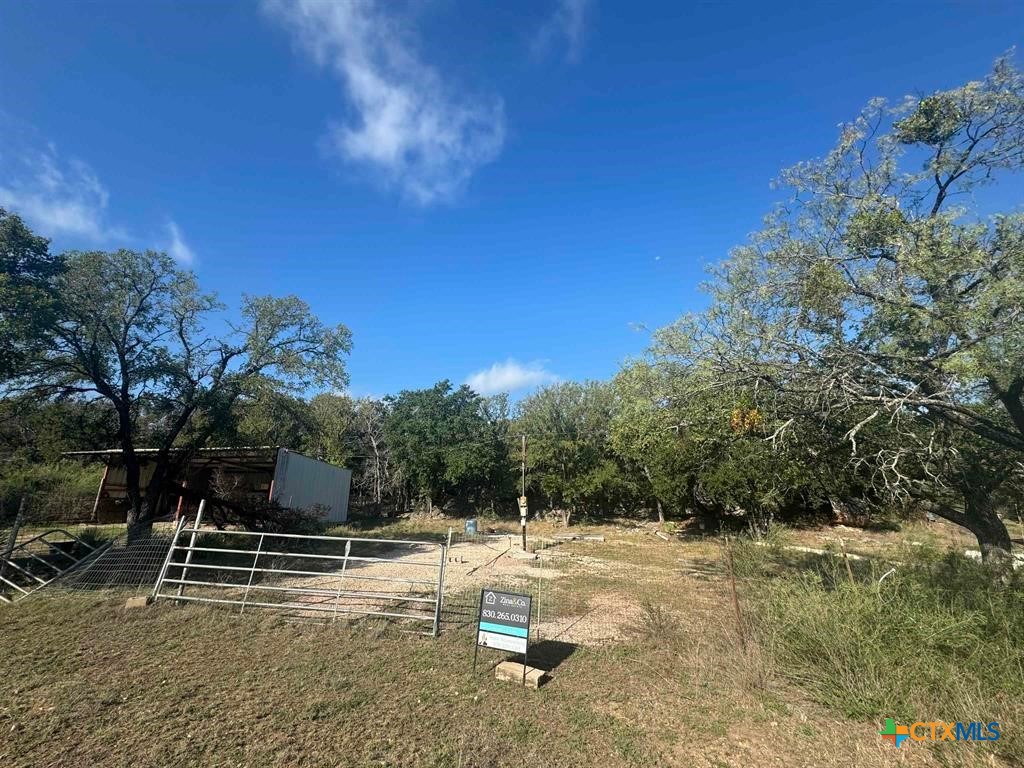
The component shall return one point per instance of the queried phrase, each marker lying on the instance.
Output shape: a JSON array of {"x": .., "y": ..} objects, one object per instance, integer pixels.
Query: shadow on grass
[
  {"x": 702, "y": 568},
  {"x": 550, "y": 654}
]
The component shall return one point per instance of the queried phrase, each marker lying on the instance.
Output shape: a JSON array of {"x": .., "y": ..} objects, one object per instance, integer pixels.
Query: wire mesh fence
[
  {"x": 577, "y": 599},
  {"x": 29, "y": 516},
  {"x": 30, "y": 564},
  {"x": 129, "y": 563},
  {"x": 44, "y": 538}
]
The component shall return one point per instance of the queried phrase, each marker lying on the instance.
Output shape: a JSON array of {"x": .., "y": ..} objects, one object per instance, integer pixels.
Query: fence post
[
  {"x": 735, "y": 596},
  {"x": 540, "y": 600},
  {"x": 440, "y": 591},
  {"x": 167, "y": 560},
  {"x": 447, "y": 552},
  {"x": 846, "y": 559},
  {"x": 191, "y": 545},
  {"x": 252, "y": 573},
  {"x": 341, "y": 579},
  {"x": 19, "y": 519}
]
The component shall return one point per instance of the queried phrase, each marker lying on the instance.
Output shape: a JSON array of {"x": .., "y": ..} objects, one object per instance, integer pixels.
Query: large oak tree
[
  {"x": 881, "y": 294},
  {"x": 136, "y": 331}
]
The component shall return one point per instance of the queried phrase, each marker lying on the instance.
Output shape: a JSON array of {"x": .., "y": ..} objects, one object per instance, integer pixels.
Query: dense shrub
[
  {"x": 55, "y": 484},
  {"x": 940, "y": 639}
]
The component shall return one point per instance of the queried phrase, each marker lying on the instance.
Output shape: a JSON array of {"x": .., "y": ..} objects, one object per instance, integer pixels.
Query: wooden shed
[{"x": 288, "y": 477}]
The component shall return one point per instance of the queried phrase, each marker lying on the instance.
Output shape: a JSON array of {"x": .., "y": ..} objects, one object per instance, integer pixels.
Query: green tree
[
  {"x": 644, "y": 432},
  {"x": 335, "y": 431},
  {"x": 270, "y": 417},
  {"x": 442, "y": 444},
  {"x": 501, "y": 470},
  {"x": 39, "y": 431},
  {"x": 570, "y": 461},
  {"x": 134, "y": 330},
  {"x": 26, "y": 301},
  {"x": 870, "y": 297}
]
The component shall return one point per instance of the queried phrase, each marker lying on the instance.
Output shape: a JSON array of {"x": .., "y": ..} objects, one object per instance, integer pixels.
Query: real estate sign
[{"x": 504, "y": 621}]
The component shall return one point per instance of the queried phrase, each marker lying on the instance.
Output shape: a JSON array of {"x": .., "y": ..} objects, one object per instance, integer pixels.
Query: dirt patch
[
  {"x": 474, "y": 566},
  {"x": 403, "y": 583},
  {"x": 608, "y": 617}
]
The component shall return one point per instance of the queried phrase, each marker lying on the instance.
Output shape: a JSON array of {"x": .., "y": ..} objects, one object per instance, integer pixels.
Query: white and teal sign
[{"x": 504, "y": 621}]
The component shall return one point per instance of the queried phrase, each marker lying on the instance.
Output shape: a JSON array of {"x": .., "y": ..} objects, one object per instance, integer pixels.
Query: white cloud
[
  {"x": 408, "y": 125},
  {"x": 510, "y": 376},
  {"x": 567, "y": 24},
  {"x": 55, "y": 196},
  {"x": 176, "y": 246},
  {"x": 63, "y": 197}
]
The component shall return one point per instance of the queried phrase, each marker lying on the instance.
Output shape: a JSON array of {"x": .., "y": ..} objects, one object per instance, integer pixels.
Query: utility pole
[{"x": 522, "y": 498}]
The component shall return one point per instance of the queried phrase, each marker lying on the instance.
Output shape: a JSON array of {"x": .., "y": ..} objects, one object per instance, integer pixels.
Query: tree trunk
[
  {"x": 980, "y": 518},
  {"x": 657, "y": 501},
  {"x": 132, "y": 470},
  {"x": 984, "y": 523},
  {"x": 143, "y": 524},
  {"x": 131, "y": 482}
]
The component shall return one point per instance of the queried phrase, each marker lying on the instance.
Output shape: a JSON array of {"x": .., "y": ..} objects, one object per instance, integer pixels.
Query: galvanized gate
[
  {"x": 30, "y": 565},
  {"x": 324, "y": 577}
]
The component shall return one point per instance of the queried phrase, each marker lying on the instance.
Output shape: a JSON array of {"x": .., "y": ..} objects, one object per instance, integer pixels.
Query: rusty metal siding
[{"x": 316, "y": 486}]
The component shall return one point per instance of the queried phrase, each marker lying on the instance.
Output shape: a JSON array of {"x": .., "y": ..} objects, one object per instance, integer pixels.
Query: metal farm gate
[
  {"x": 31, "y": 564},
  {"x": 309, "y": 577}
]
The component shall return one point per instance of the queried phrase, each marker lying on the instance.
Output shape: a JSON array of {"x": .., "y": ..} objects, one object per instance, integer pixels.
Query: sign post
[
  {"x": 503, "y": 623},
  {"x": 522, "y": 498},
  {"x": 523, "y": 512}
]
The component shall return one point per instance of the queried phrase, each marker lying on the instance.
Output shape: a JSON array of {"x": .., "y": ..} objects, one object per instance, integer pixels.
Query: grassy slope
[{"x": 86, "y": 683}]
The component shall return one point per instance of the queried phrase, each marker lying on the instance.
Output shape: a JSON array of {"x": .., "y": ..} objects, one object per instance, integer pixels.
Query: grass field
[{"x": 87, "y": 683}]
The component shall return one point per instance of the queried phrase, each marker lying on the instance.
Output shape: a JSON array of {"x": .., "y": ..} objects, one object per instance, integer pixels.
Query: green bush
[
  {"x": 61, "y": 478},
  {"x": 940, "y": 639},
  {"x": 760, "y": 556}
]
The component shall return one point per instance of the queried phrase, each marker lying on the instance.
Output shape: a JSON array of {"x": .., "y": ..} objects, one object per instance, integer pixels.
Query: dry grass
[{"x": 86, "y": 683}]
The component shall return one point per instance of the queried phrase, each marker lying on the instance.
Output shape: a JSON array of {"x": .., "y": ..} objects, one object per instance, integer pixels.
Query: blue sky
[{"x": 503, "y": 193}]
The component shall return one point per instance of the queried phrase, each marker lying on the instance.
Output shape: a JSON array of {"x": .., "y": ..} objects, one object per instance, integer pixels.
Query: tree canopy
[
  {"x": 133, "y": 330},
  {"x": 445, "y": 442},
  {"x": 876, "y": 295},
  {"x": 26, "y": 301}
]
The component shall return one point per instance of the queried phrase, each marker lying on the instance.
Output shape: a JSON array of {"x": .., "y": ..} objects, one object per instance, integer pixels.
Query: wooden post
[
  {"x": 99, "y": 494},
  {"x": 19, "y": 519},
  {"x": 522, "y": 510},
  {"x": 846, "y": 559},
  {"x": 181, "y": 501},
  {"x": 735, "y": 596}
]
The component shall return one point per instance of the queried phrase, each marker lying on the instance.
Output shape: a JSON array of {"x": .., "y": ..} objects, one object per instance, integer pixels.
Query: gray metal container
[{"x": 301, "y": 482}]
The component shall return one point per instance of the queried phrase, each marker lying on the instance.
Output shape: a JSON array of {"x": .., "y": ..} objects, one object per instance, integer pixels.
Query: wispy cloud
[
  {"x": 177, "y": 248},
  {"x": 567, "y": 24},
  {"x": 56, "y": 196},
  {"x": 63, "y": 197},
  {"x": 410, "y": 129},
  {"x": 510, "y": 376}
]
